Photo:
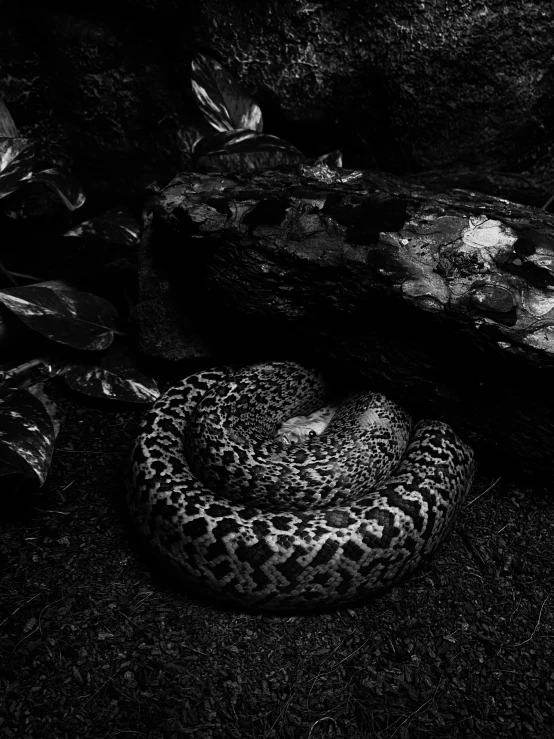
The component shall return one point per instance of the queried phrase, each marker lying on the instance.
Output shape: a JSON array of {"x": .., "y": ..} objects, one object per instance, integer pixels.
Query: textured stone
[
  {"x": 399, "y": 86},
  {"x": 442, "y": 302}
]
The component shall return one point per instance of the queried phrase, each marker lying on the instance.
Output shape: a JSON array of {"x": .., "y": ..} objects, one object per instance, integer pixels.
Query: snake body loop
[
  {"x": 237, "y": 422},
  {"x": 244, "y": 538}
]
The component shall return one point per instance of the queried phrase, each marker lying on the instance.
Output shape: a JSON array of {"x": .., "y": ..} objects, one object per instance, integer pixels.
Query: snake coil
[{"x": 230, "y": 508}]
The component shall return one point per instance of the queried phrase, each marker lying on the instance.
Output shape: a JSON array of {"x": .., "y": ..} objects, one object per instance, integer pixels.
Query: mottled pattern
[
  {"x": 288, "y": 559},
  {"x": 231, "y": 447},
  {"x": 301, "y": 428}
]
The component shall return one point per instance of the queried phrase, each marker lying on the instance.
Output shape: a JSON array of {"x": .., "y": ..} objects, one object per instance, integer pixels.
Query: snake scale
[{"x": 243, "y": 504}]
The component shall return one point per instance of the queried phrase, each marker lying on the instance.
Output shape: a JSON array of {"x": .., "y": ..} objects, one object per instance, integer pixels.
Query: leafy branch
[{"x": 58, "y": 328}]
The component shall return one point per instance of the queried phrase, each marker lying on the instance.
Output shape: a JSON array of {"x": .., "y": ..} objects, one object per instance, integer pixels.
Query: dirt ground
[{"x": 93, "y": 644}]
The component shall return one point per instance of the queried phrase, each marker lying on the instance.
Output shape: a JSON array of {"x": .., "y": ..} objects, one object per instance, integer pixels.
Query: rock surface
[
  {"x": 443, "y": 302},
  {"x": 398, "y": 86}
]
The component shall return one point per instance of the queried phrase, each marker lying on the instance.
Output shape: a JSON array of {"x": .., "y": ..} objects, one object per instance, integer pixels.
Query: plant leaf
[
  {"x": 117, "y": 227},
  {"x": 243, "y": 151},
  {"x": 27, "y": 434},
  {"x": 120, "y": 384},
  {"x": 67, "y": 187},
  {"x": 82, "y": 305},
  {"x": 16, "y": 163},
  {"x": 70, "y": 317},
  {"x": 7, "y": 125},
  {"x": 332, "y": 159},
  {"x": 223, "y": 101},
  {"x": 38, "y": 390}
]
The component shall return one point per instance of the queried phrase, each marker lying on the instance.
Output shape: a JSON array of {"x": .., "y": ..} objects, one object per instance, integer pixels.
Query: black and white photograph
[{"x": 277, "y": 369}]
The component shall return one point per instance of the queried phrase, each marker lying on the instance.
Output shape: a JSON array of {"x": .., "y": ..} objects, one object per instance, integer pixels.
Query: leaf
[
  {"x": 16, "y": 163},
  {"x": 66, "y": 187},
  {"x": 16, "y": 169},
  {"x": 124, "y": 384},
  {"x": 223, "y": 101},
  {"x": 7, "y": 125},
  {"x": 242, "y": 140},
  {"x": 27, "y": 433},
  {"x": 117, "y": 227},
  {"x": 332, "y": 159},
  {"x": 38, "y": 390},
  {"x": 243, "y": 151},
  {"x": 65, "y": 315},
  {"x": 86, "y": 306}
]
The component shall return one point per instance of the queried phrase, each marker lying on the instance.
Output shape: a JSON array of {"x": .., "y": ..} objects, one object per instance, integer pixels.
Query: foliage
[
  {"x": 243, "y": 151},
  {"x": 239, "y": 144},
  {"x": 55, "y": 327},
  {"x": 68, "y": 333},
  {"x": 224, "y": 102}
]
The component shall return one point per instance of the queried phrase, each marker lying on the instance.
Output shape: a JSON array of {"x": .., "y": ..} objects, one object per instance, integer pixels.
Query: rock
[
  {"x": 398, "y": 86},
  {"x": 444, "y": 302}
]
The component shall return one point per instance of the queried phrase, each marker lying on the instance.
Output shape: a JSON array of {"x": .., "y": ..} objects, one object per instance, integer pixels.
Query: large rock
[
  {"x": 399, "y": 86},
  {"x": 404, "y": 84},
  {"x": 444, "y": 302}
]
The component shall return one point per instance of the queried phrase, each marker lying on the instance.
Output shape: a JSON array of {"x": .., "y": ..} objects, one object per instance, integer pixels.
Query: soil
[{"x": 95, "y": 644}]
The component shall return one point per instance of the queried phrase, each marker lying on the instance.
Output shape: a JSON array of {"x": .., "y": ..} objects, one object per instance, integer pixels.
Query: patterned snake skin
[{"x": 228, "y": 507}]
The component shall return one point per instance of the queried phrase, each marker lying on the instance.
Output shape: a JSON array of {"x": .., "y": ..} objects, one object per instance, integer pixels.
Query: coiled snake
[{"x": 288, "y": 536}]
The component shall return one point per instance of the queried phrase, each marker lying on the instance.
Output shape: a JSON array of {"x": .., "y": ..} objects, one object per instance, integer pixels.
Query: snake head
[{"x": 301, "y": 428}]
